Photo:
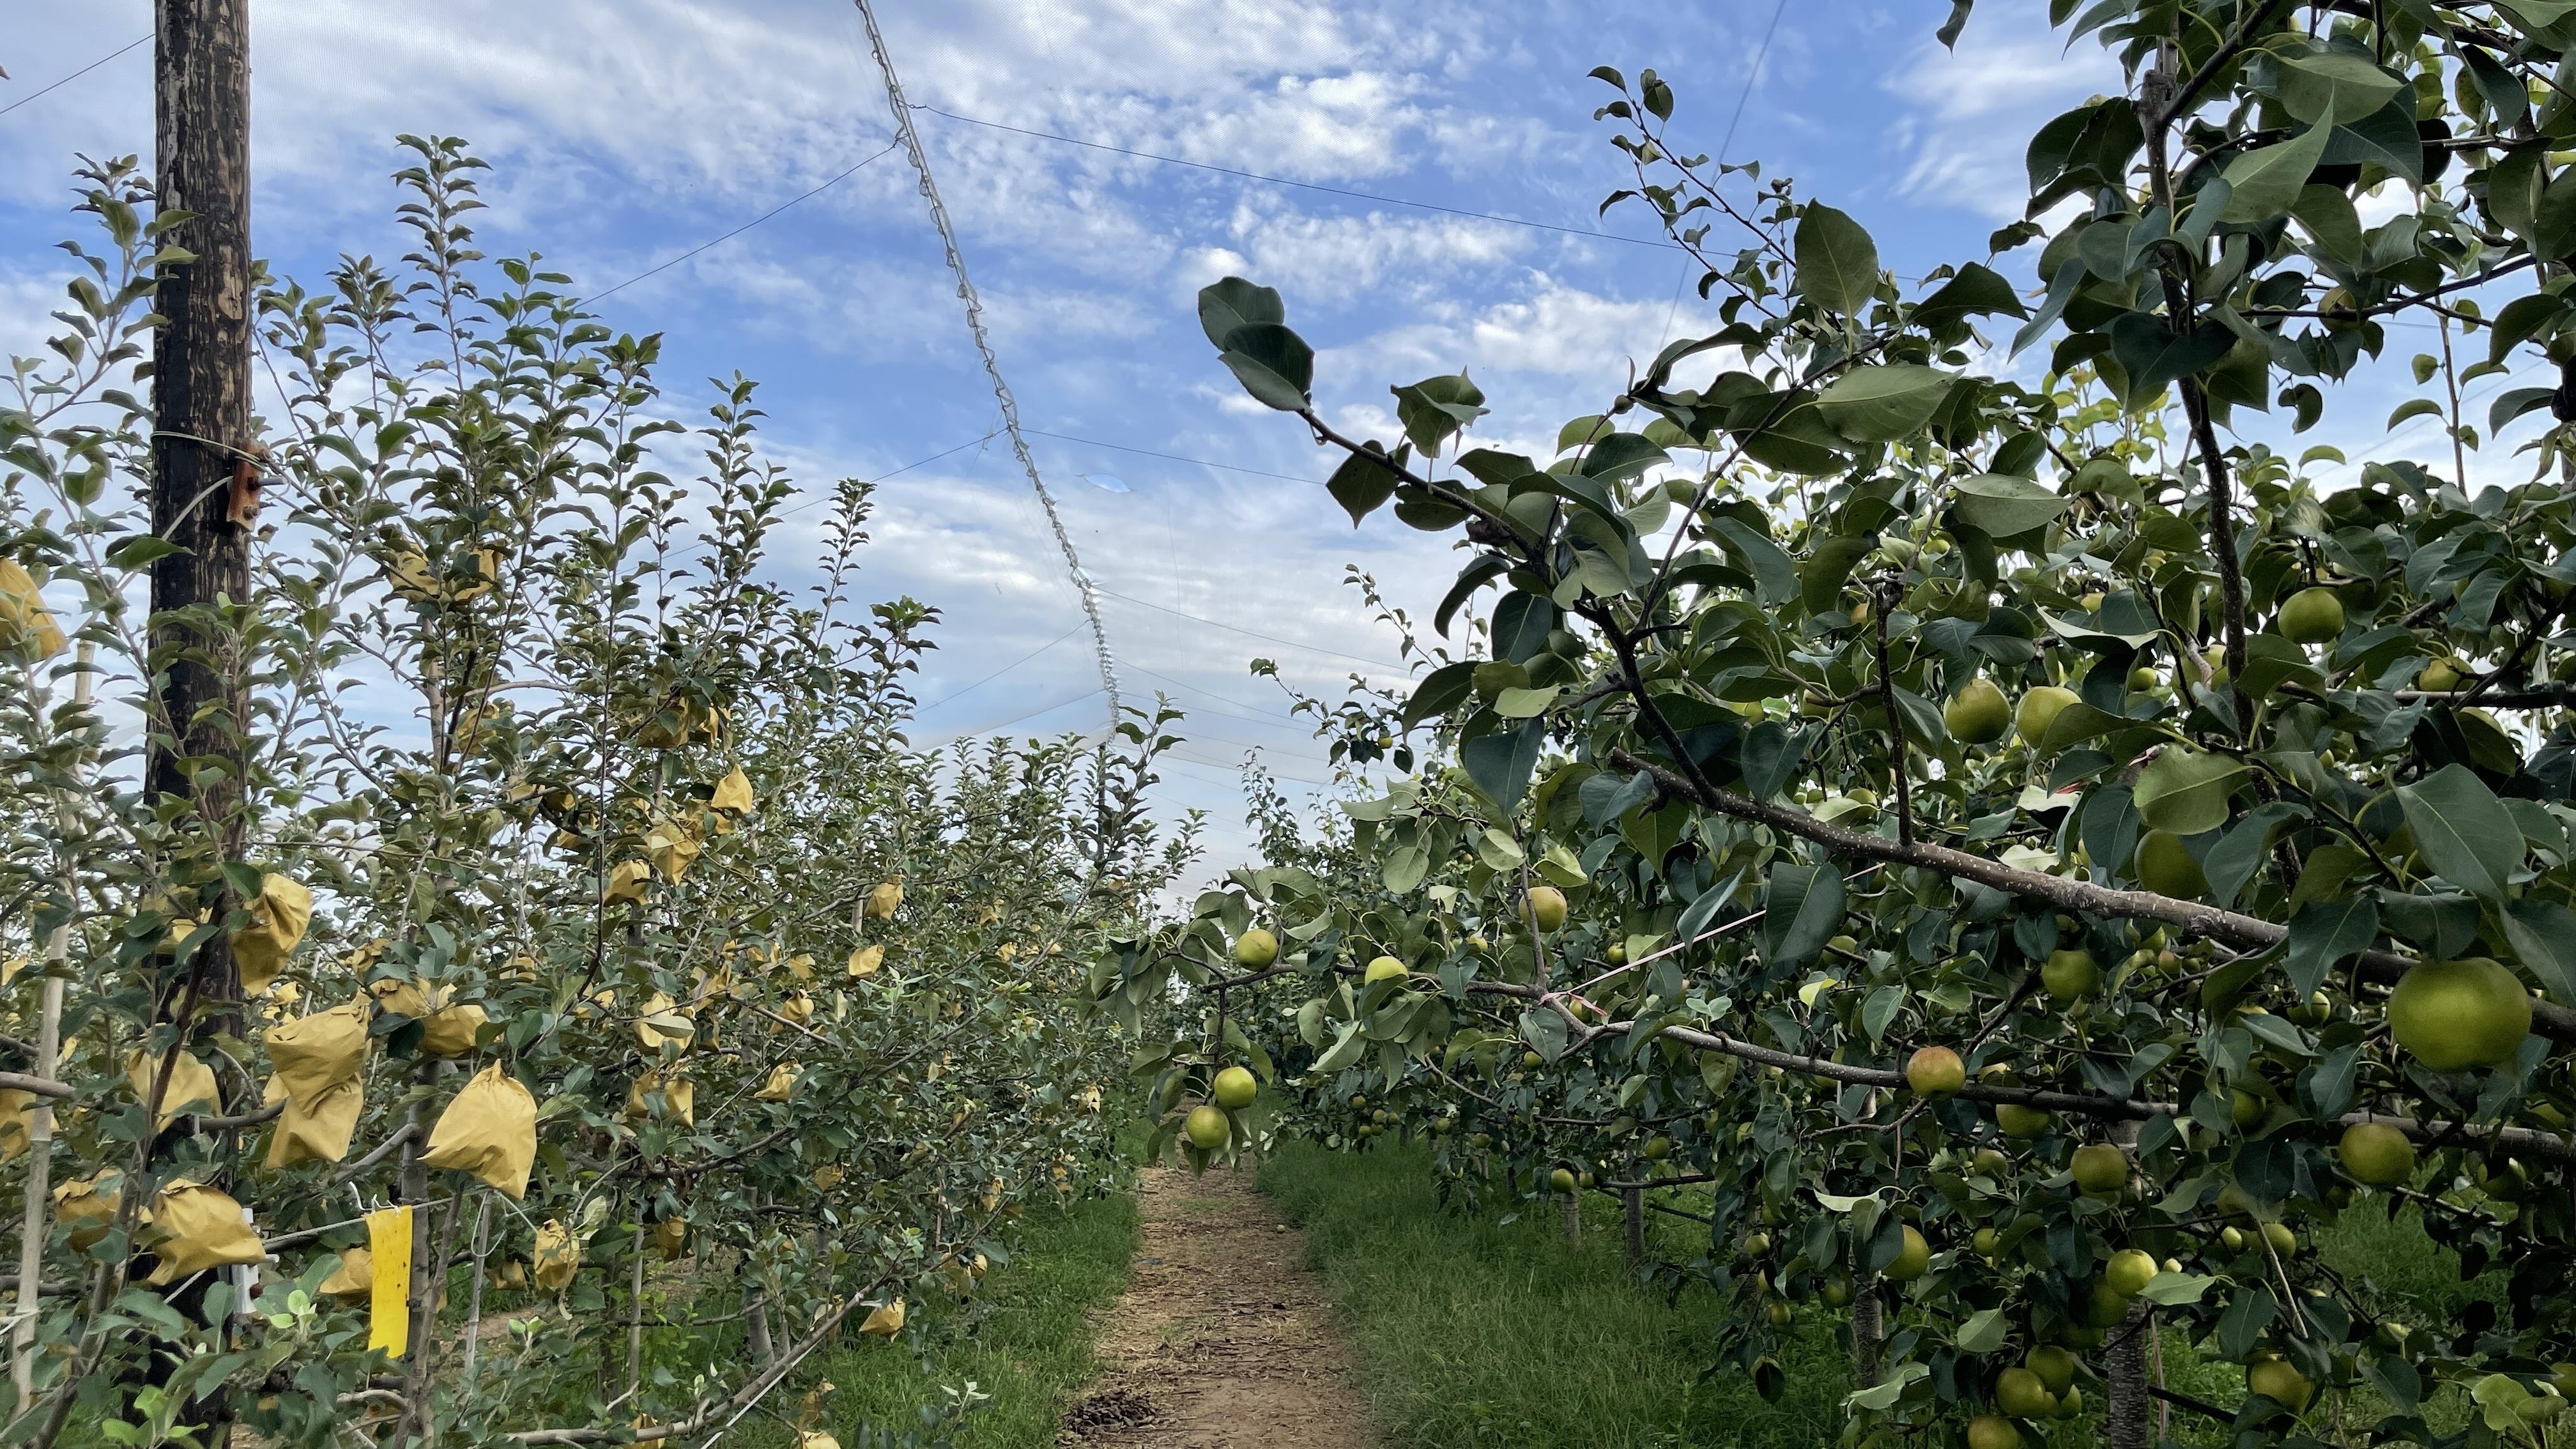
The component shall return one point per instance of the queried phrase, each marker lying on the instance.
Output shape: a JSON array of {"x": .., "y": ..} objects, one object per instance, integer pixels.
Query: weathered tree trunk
[
  {"x": 1632, "y": 1200},
  {"x": 1571, "y": 1207},
  {"x": 2129, "y": 1422},
  {"x": 1866, "y": 1332},
  {"x": 201, "y": 425},
  {"x": 201, "y": 422}
]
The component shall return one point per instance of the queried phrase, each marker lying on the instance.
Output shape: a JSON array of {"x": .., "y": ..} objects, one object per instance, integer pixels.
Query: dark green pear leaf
[
  {"x": 1500, "y": 764},
  {"x": 2265, "y": 182},
  {"x": 2185, "y": 791},
  {"x": 2462, "y": 830},
  {"x": 1274, "y": 364},
  {"x": 1362, "y": 483},
  {"x": 2002, "y": 506},
  {"x": 1440, "y": 691},
  {"x": 2323, "y": 935},
  {"x": 1232, "y": 303},
  {"x": 1885, "y": 403},
  {"x": 1801, "y": 909},
  {"x": 1436, "y": 407},
  {"x": 1837, "y": 262}
]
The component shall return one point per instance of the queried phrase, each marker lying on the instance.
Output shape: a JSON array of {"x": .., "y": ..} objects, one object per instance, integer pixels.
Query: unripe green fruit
[
  {"x": 2020, "y": 1121},
  {"x": 2165, "y": 866},
  {"x": 2376, "y": 1153},
  {"x": 1617, "y": 955},
  {"x": 2070, "y": 973},
  {"x": 2215, "y": 659},
  {"x": 2130, "y": 1271},
  {"x": 1780, "y": 1313},
  {"x": 1977, "y": 714},
  {"x": 2312, "y": 616},
  {"x": 2244, "y": 1108},
  {"x": 1657, "y": 1149},
  {"x": 2281, "y": 1239},
  {"x": 2144, "y": 678},
  {"x": 1756, "y": 1244},
  {"x": 1546, "y": 907},
  {"x": 1936, "y": 1071},
  {"x": 1562, "y": 1179},
  {"x": 1993, "y": 1431},
  {"x": 2054, "y": 1365},
  {"x": 2455, "y": 1015},
  {"x": 1206, "y": 1128},
  {"x": 2100, "y": 1169},
  {"x": 2024, "y": 1395},
  {"x": 1384, "y": 968},
  {"x": 1583, "y": 1179},
  {"x": 1235, "y": 1088},
  {"x": 1532, "y": 1061},
  {"x": 2039, "y": 708},
  {"x": 2233, "y": 1239},
  {"x": 2441, "y": 676},
  {"x": 2275, "y": 1379},
  {"x": 1990, "y": 1162},
  {"x": 1987, "y": 1242},
  {"x": 1912, "y": 1259},
  {"x": 2070, "y": 1405},
  {"x": 1256, "y": 949},
  {"x": 2107, "y": 1307}
]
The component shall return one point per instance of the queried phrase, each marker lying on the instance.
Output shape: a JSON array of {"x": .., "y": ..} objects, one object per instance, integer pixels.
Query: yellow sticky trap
[{"x": 389, "y": 1301}]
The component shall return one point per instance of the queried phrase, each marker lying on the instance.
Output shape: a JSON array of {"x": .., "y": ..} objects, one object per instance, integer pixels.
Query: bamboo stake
[{"x": 40, "y": 1123}]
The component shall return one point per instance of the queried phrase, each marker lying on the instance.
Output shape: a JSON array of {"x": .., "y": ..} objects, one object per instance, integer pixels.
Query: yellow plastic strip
[{"x": 389, "y": 1306}]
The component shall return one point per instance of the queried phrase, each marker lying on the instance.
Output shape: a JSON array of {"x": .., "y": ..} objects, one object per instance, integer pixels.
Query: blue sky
[{"x": 626, "y": 133}]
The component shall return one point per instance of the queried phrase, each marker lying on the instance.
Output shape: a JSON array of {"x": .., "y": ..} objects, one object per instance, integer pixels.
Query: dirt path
[{"x": 1222, "y": 1339}]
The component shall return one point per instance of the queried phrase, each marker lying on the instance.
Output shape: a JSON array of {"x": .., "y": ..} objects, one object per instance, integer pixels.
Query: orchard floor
[{"x": 1223, "y": 1338}]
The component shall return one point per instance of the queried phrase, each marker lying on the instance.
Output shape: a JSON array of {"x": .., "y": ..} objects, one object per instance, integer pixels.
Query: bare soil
[{"x": 1223, "y": 1339}]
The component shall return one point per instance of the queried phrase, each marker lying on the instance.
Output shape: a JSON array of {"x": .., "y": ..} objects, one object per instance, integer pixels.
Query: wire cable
[
  {"x": 75, "y": 75},
  {"x": 737, "y": 231},
  {"x": 910, "y": 139},
  {"x": 1005, "y": 669},
  {"x": 1309, "y": 185},
  {"x": 1253, "y": 633},
  {"x": 1169, "y": 457},
  {"x": 820, "y": 500}
]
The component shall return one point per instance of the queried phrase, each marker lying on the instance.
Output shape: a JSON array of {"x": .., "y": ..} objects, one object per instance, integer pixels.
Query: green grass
[
  {"x": 1025, "y": 1340},
  {"x": 1476, "y": 1331}
]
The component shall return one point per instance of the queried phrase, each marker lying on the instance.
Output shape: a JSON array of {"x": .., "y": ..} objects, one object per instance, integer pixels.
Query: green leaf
[
  {"x": 1837, "y": 262},
  {"x": 1544, "y": 1030},
  {"x": 1362, "y": 483},
  {"x": 1984, "y": 1331},
  {"x": 1436, "y": 407},
  {"x": 2322, "y": 935},
  {"x": 1801, "y": 911},
  {"x": 2265, "y": 182},
  {"x": 1274, "y": 364},
  {"x": 1525, "y": 703},
  {"x": 1440, "y": 691},
  {"x": 1622, "y": 455},
  {"x": 2463, "y": 832},
  {"x": 2543, "y": 934},
  {"x": 1885, "y": 403},
  {"x": 2332, "y": 223},
  {"x": 1471, "y": 578},
  {"x": 1405, "y": 867},
  {"x": 2000, "y": 505},
  {"x": 1234, "y": 302},
  {"x": 1821, "y": 577},
  {"x": 1975, "y": 291},
  {"x": 1500, "y": 764},
  {"x": 1346, "y": 1048},
  {"x": 2172, "y": 1290},
  {"x": 2185, "y": 791},
  {"x": 2334, "y": 86},
  {"x": 1775, "y": 578}
]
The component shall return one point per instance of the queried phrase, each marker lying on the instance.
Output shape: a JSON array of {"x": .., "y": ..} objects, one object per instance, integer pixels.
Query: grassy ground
[
  {"x": 1473, "y": 1331},
  {"x": 1026, "y": 1342}
]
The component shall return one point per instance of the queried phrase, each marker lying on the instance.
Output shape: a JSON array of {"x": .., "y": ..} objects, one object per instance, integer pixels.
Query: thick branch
[{"x": 2191, "y": 917}]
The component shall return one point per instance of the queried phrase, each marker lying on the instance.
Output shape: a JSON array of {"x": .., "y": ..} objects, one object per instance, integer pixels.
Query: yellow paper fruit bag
[
  {"x": 90, "y": 1202},
  {"x": 780, "y": 1086},
  {"x": 733, "y": 793},
  {"x": 626, "y": 882},
  {"x": 24, "y": 619},
  {"x": 278, "y": 916},
  {"x": 17, "y": 1122},
  {"x": 865, "y": 960},
  {"x": 195, "y": 1227},
  {"x": 191, "y": 1089},
  {"x": 556, "y": 1257},
  {"x": 450, "y": 1031},
  {"x": 354, "y": 1279},
  {"x": 885, "y": 900},
  {"x": 316, "y": 1053},
  {"x": 319, "y": 1130},
  {"x": 489, "y": 1130},
  {"x": 884, "y": 1322},
  {"x": 662, "y": 1024},
  {"x": 679, "y": 1092}
]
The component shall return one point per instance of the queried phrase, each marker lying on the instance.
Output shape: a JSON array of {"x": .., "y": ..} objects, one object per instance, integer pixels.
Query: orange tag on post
[{"x": 389, "y": 1298}]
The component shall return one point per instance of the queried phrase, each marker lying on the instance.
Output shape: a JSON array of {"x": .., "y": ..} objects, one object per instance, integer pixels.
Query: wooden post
[
  {"x": 1633, "y": 1201},
  {"x": 201, "y": 422},
  {"x": 1573, "y": 1213},
  {"x": 40, "y": 1119}
]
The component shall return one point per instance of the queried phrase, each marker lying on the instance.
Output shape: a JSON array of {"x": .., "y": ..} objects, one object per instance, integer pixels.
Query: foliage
[
  {"x": 579, "y": 800},
  {"x": 2158, "y": 910}
]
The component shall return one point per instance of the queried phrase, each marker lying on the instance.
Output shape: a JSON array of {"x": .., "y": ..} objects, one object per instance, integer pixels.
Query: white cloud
[{"x": 1970, "y": 112}]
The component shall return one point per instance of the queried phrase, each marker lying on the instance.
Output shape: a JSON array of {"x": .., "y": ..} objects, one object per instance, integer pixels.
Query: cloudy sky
[{"x": 626, "y": 132}]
